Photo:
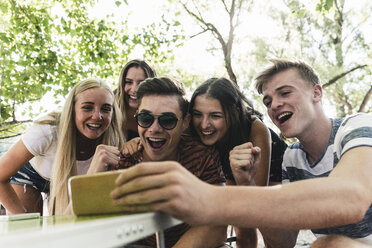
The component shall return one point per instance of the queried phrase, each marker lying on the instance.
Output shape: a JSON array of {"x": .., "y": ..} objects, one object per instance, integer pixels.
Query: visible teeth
[
  {"x": 155, "y": 139},
  {"x": 282, "y": 115},
  {"x": 133, "y": 97},
  {"x": 207, "y": 132},
  {"x": 94, "y": 125}
]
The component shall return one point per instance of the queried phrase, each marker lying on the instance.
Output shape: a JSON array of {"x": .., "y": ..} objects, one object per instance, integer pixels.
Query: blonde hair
[
  {"x": 51, "y": 119},
  {"x": 119, "y": 92},
  {"x": 278, "y": 65},
  {"x": 65, "y": 160}
]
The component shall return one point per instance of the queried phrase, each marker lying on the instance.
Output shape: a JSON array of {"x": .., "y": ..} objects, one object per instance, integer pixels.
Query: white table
[{"x": 69, "y": 231}]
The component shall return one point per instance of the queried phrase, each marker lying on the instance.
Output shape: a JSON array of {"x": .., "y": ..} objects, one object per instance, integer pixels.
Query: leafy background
[{"x": 48, "y": 46}]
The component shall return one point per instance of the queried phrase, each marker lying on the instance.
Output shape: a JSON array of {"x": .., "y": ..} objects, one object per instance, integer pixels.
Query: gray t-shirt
[{"x": 347, "y": 133}]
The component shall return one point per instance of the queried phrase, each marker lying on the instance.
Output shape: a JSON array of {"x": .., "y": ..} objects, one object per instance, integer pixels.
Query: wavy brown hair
[{"x": 119, "y": 92}]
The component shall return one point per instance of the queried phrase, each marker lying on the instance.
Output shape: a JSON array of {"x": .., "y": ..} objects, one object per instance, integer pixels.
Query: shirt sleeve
[
  {"x": 355, "y": 131},
  {"x": 38, "y": 138}
]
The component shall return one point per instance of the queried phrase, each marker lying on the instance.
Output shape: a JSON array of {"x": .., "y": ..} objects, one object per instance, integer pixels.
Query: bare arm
[
  {"x": 11, "y": 162},
  {"x": 307, "y": 204},
  {"x": 203, "y": 237},
  {"x": 260, "y": 137}
]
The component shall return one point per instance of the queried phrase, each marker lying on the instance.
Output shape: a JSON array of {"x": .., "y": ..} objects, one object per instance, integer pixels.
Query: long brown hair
[{"x": 119, "y": 92}]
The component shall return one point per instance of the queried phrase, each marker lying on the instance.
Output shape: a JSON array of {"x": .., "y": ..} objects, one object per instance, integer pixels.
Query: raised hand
[
  {"x": 105, "y": 158},
  {"x": 133, "y": 148},
  {"x": 244, "y": 161}
]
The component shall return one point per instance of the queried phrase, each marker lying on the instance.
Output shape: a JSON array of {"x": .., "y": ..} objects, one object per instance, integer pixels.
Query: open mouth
[
  {"x": 133, "y": 97},
  {"x": 207, "y": 133},
  {"x": 94, "y": 126},
  {"x": 156, "y": 143},
  {"x": 284, "y": 117}
]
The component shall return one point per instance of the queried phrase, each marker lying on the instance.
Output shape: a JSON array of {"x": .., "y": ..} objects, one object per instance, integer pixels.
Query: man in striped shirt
[{"x": 336, "y": 151}]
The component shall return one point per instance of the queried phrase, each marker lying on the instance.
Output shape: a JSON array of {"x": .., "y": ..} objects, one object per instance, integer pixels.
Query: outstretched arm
[
  {"x": 307, "y": 204},
  {"x": 10, "y": 163}
]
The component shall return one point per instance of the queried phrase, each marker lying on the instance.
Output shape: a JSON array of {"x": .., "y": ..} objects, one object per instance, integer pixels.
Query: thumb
[{"x": 256, "y": 152}]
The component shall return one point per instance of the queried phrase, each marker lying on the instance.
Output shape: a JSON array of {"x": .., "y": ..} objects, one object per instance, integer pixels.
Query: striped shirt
[
  {"x": 347, "y": 133},
  {"x": 200, "y": 160}
]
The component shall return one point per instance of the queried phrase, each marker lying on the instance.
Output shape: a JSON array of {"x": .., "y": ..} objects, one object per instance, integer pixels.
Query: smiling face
[
  {"x": 290, "y": 102},
  {"x": 161, "y": 144},
  {"x": 208, "y": 119},
  {"x": 93, "y": 112},
  {"x": 134, "y": 76}
]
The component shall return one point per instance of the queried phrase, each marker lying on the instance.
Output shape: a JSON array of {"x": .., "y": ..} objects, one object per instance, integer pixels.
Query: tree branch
[
  {"x": 344, "y": 102},
  {"x": 201, "y": 32},
  {"x": 366, "y": 98},
  {"x": 13, "y": 122},
  {"x": 339, "y": 76},
  {"x": 10, "y": 136}
]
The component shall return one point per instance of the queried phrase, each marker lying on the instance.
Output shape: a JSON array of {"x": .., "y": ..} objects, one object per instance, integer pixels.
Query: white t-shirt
[{"x": 41, "y": 141}]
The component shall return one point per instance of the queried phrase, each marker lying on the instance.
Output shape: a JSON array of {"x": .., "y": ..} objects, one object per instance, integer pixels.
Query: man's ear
[
  {"x": 317, "y": 93},
  {"x": 186, "y": 122}
]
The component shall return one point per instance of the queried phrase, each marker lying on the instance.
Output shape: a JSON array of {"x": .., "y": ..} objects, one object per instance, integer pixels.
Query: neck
[
  {"x": 131, "y": 121},
  {"x": 173, "y": 157},
  {"x": 316, "y": 138},
  {"x": 85, "y": 147}
]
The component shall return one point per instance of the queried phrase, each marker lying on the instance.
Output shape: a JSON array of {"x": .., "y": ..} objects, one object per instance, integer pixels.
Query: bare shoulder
[{"x": 259, "y": 129}]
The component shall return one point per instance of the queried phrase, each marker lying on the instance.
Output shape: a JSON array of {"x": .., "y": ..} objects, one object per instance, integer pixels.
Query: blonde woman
[
  {"x": 83, "y": 138},
  {"x": 133, "y": 72}
]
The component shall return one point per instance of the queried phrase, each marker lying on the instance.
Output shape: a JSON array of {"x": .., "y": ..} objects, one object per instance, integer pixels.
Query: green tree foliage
[
  {"x": 342, "y": 54},
  {"x": 330, "y": 35},
  {"x": 52, "y": 45}
]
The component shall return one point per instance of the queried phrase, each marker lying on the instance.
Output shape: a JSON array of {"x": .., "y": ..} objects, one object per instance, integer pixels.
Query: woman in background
[{"x": 134, "y": 72}]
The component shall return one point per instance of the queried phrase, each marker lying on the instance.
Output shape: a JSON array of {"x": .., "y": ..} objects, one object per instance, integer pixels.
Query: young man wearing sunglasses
[{"x": 162, "y": 118}]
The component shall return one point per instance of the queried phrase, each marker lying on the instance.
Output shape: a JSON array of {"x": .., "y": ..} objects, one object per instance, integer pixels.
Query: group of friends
[{"x": 209, "y": 161}]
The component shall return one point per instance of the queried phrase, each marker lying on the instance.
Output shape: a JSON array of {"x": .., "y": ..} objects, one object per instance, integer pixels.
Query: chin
[
  {"x": 93, "y": 136},
  {"x": 133, "y": 104},
  {"x": 208, "y": 142}
]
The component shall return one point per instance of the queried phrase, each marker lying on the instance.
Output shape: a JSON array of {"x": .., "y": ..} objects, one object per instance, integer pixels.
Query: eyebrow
[
  {"x": 92, "y": 103},
  {"x": 211, "y": 113},
  {"x": 149, "y": 112}
]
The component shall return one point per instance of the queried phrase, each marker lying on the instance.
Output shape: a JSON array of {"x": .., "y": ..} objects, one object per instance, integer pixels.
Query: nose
[
  {"x": 134, "y": 87},
  {"x": 205, "y": 122},
  {"x": 155, "y": 127},
  {"x": 276, "y": 104},
  {"x": 97, "y": 115}
]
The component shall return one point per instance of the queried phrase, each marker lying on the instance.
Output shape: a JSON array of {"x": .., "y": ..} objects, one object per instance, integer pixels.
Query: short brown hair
[
  {"x": 163, "y": 86},
  {"x": 279, "y": 65}
]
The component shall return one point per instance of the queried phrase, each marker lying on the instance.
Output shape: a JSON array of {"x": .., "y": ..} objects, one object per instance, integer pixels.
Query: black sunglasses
[{"x": 167, "y": 121}]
